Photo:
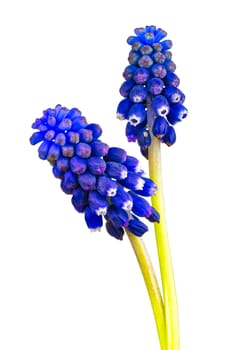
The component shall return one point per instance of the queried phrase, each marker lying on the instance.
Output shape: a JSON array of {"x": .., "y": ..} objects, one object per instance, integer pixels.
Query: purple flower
[
  {"x": 152, "y": 88},
  {"x": 98, "y": 177}
]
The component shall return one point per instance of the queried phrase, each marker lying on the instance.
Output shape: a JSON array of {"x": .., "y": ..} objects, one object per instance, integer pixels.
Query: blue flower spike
[
  {"x": 151, "y": 89},
  {"x": 105, "y": 182}
]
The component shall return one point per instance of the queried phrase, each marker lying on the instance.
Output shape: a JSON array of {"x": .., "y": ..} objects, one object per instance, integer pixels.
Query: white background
[{"x": 62, "y": 287}]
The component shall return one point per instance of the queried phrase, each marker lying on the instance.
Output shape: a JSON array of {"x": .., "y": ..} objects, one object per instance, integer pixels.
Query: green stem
[
  {"x": 164, "y": 255},
  {"x": 151, "y": 285}
]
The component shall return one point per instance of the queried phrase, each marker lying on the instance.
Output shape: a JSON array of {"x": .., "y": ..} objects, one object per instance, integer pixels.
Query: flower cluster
[
  {"x": 152, "y": 102},
  {"x": 103, "y": 181}
]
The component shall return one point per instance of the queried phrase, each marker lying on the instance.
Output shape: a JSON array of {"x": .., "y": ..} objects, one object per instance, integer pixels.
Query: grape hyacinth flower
[
  {"x": 105, "y": 182},
  {"x": 153, "y": 102},
  {"x": 152, "y": 105}
]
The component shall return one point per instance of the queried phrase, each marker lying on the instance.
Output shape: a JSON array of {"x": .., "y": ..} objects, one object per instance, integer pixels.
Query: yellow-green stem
[
  {"x": 151, "y": 285},
  {"x": 164, "y": 255}
]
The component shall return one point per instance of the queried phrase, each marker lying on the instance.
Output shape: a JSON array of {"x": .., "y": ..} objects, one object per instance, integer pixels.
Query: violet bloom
[{"x": 105, "y": 183}]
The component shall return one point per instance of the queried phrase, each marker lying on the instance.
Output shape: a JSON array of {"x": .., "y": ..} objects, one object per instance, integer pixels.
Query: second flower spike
[{"x": 105, "y": 182}]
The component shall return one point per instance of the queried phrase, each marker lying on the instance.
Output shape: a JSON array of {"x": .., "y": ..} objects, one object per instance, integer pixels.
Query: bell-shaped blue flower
[
  {"x": 94, "y": 222},
  {"x": 122, "y": 199},
  {"x": 106, "y": 186},
  {"x": 85, "y": 135},
  {"x": 137, "y": 227},
  {"x": 118, "y": 216},
  {"x": 161, "y": 106},
  {"x": 78, "y": 165},
  {"x": 155, "y": 86},
  {"x": 99, "y": 148},
  {"x": 177, "y": 113},
  {"x": 116, "y": 170},
  {"x": 160, "y": 127},
  {"x": 96, "y": 130},
  {"x": 63, "y": 164},
  {"x": 173, "y": 94},
  {"x": 137, "y": 114},
  {"x": 98, "y": 203},
  {"x": 114, "y": 231},
  {"x": 142, "y": 208},
  {"x": 170, "y": 136},
  {"x": 83, "y": 150},
  {"x": 80, "y": 199},
  {"x": 133, "y": 181},
  {"x": 131, "y": 131},
  {"x": 126, "y": 87},
  {"x": 149, "y": 188},
  {"x": 172, "y": 79},
  {"x": 132, "y": 164},
  {"x": 96, "y": 165},
  {"x": 144, "y": 137},
  {"x": 138, "y": 94},
  {"x": 116, "y": 154},
  {"x": 69, "y": 182},
  {"x": 123, "y": 108},
  {"x": 141, "y": 75},
  {"x": 87, "y": 181},
  {"x": 129, "y": 71}
]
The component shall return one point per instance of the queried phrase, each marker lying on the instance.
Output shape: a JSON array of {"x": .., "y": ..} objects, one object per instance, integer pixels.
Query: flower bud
[
  {"x": 96, "y": 130},
  {"x": 83, "y": 150},
  {"x": 94, "y": 222},
  {"x": 144, "y": 138},
  {"x": 138, "y": 94},
  {"x": 118, "y": 216},
  {"x": 141, "y": 75},
  {"x": 126, "y": 87},
  {"x": 159, "y": 127},
  {"x": 78, "y": 165},
  {"x": 99, "y": 148},
  {"x": 116, "y": 170},
  {"x": 96, "y": 165},
  {"x": 129, "y": 72},
  {"x": 80, "y": 199},
  {"x": 170, "y": 136},
  {"x": 145, "y": 61},
  {"x": 63, "y": 164},
  {"x": 87, "y": 181},
  {"x": 85, "y": 135},
  {"x": 116, "y": 154},
  {"x": 158, "y": 70},
  {"x": 69, "y": 182},
  {"x": 155, "y": 86},
  {"x": 172, "y": 79}
]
